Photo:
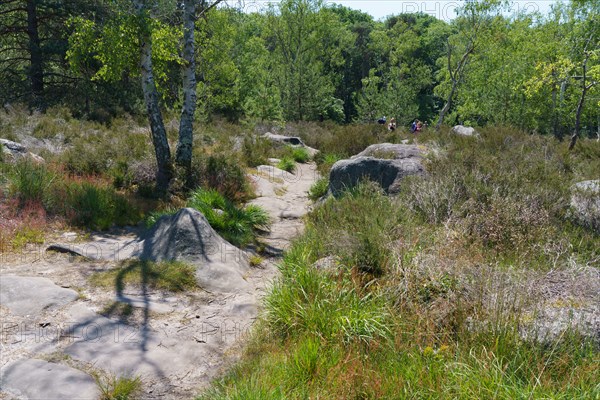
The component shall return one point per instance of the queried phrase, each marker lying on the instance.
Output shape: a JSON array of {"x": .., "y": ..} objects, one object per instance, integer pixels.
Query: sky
[{"x": 379, "y": 9}]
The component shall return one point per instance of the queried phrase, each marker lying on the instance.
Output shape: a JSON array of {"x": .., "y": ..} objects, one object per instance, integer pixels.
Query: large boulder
[
  {"x": 385, "y": 163},
  {"x": 293, "y": 141},
  {"x": 464, "y": 131},
  {"x": 187, "y": 236},
  {"x": 585, "y": 203},
  {"x": 16, "y": 151}
]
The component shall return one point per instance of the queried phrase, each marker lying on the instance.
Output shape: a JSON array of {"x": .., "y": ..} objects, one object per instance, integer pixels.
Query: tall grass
[
  {"x": 428, "y": 297},
  {"x": 32, "y": 182}
]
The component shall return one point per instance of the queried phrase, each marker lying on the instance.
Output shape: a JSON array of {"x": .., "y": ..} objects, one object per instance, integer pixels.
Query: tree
[
  {"x": 460, "y": 47},
  {"x": 33, "y": 41}
]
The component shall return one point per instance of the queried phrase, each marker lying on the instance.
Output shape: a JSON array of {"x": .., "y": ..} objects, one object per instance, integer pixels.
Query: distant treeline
[{"x": 303, "y": 60}]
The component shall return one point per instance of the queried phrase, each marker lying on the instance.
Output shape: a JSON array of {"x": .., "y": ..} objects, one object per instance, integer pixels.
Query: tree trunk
[
  {"x": 183, "y": 154},
  {"x": 578, "y": 117},
  {"x": 159, "y": 134},
  {"x": 36, "y": 71},
  {"x": 446, "y": 106}
]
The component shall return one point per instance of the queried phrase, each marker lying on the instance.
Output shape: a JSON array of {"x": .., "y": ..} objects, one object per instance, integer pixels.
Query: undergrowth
[{"x": 428, "y": 295}]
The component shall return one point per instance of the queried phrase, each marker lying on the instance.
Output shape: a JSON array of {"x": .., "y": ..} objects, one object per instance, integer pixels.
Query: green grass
[
  {"x": 300, "y": 154},
  {"x": 173, "y": 276},
  {"x": 118, "y": 388},
  {"x": 407, "y": 313},
  {"x": 99, "y": 207},
  {"x": 238, "y": 225},
  {"x": 287, "y": 164},
  {"x": 31, "y": 182},
  {"x": 318, "y": 189}
]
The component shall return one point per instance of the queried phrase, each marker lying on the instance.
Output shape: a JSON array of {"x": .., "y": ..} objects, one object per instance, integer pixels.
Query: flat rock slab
[
  {"x": 277, "y": 175},
  {"x": 127, "y": 350},
  {"x": 32, "y": 295},
  {"x": 108, "y": 249},
  {"x": 156, "y": 306},
  {"x": 38, "y": 379}
]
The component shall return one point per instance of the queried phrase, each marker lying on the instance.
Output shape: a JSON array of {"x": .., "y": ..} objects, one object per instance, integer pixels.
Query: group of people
[{"x": 416, "y": 126}]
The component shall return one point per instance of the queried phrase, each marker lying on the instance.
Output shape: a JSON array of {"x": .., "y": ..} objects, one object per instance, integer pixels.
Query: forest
[{"x": 305, "y": 60}]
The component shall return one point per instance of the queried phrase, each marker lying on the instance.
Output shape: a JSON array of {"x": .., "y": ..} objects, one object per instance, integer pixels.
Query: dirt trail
[{"x": 57, "y": 330}]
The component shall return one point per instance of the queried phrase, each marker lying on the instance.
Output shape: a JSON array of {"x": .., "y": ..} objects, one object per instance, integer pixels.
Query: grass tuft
[{"x": 118, "y": 388}]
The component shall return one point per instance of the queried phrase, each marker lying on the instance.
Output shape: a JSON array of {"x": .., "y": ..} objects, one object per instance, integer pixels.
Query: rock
[
  {"x": 275, "y": 174},
  {"x": 16, "y": 151},
  {"x": 38, "y": 379},
  {"x": 387, "y": 166},
  {"x": 291, "y": 140},
  {"x": 32, "y": 295},
  {"x": 585, "y": 203},
  {"x": 127, "y": 350},
  {"x": 329, "y": 263},
  {"x": 464, "y": 131},
  {"x": 187, "y": 236},
  {"x": 391, "y": 151}
]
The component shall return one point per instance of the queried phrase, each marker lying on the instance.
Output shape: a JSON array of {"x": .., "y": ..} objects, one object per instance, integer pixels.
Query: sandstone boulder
[
  {"x": 464, "y": 131},
  {"x": 16, "y": 152},
  {"x": 386, "y": 164},
  {"x": 187, "y": 236}
]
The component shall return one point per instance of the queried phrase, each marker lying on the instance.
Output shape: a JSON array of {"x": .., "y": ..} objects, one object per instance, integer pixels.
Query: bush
[
  {"x": 256, "y": 150},
  {"x": 226, "y": 176},
  {"x": 325, "y": 161},
  {"x": 98, "y": 207},
  {"x": 287, "y": 164}
]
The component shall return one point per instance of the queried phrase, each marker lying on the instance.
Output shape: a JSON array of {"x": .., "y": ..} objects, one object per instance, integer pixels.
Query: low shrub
[
  {"x": 226, "y": 176},
  {"x": 98, "y": 207},
  {"x": 256, "y": 150},
  {"x": 325, "y": 161}
]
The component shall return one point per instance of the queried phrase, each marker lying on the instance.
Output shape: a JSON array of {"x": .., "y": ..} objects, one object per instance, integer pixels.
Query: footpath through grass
[{"x": 415, "y": 296}]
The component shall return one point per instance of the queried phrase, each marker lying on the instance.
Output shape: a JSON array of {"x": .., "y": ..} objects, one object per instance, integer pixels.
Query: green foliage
[
  {"x": 256, "y": 150},
  {"x": 154, "y": 216},
  {"x": 238, "y": 225},
  {"x": 227, "y": 176},
  {"x": 406, "y": 307},
  {"x": 300, "y": 154},
  {"x": 173, "y": 276},
  {"x": 287, "y": 164},
  {"x": 31, "y": 182},
  {"x": 318, "y": 189},
  {"x": 98, "y": 207}
]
